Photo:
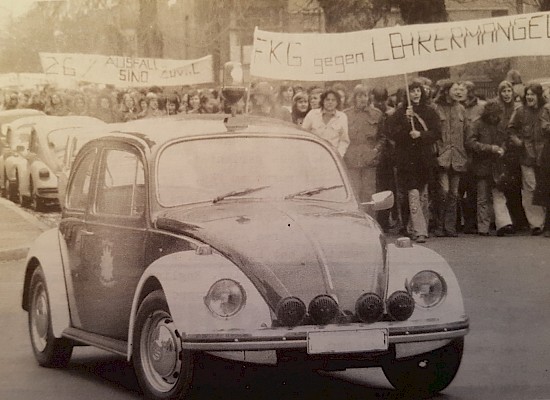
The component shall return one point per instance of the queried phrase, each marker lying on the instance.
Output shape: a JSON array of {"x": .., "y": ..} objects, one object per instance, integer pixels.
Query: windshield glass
[
  {"x": 202, "y": 170},
  {"x": 57, "y": 142}
]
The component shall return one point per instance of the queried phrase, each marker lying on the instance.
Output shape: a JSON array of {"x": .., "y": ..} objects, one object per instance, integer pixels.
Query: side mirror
[{"x": 380, "y": 201}]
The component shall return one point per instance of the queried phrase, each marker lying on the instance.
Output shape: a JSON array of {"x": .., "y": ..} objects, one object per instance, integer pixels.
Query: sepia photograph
[{"x": 275, "y": 199}]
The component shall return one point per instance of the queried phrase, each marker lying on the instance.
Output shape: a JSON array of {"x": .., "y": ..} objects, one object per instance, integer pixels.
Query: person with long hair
[
  {"x": 487, "y": 141},
  {"x": 328, "y": 123},
  {"x": 529, "y": 129},
  {"x": 415, "y": 129},
  {"x": 300, "y": 107},
  {"x": 452, "y": 158}
]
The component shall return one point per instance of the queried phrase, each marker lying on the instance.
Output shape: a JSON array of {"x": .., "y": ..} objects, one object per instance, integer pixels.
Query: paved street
[{"x": 507, "y": 356}]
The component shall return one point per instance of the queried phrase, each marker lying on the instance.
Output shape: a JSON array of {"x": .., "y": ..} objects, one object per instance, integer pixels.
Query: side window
[
  {"x": 80, "y": 185},
  {"x": 121, "y": 189}
]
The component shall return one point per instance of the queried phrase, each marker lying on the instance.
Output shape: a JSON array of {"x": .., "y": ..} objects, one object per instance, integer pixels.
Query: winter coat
[
  {"x": 481, "y": 139},
  {"x": 365, "y": 145},
  {"x": 532, "y": 127},
  {"x": 414, "y": 157},
  {"x": 454, "y": 126}
]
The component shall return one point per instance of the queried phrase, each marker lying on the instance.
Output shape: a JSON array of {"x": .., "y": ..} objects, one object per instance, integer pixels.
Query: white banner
[
  {"x": 128, "y": 71},
  {"x": 7, "y": 80},
  {"x": 397, "y": 50}
]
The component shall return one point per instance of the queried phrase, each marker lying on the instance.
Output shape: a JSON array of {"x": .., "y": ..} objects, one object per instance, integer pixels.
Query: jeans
[
  {"x": 535, "y": 214},
  {"x": 363, "y": 181},
  {"x": 485, "y": 195},
  {"x": 418, "y": 211},
  {"x": 449, "y": 180}
]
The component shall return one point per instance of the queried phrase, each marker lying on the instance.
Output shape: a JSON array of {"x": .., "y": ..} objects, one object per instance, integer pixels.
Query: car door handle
[{"x": 86, "y": 233}]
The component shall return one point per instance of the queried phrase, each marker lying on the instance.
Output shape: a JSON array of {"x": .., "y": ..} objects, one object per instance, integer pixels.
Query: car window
[
  {"x": 121, "y": 189},
  {"x": 21, "y": 137},
  {"x": 262, "y": 167},
  {"x": 80, "y": 185}
]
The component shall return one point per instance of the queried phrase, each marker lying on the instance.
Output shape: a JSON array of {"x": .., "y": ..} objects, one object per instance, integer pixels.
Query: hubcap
[
  {"x": 161, "y": 350},
  {"x": 40, "y": 318}
]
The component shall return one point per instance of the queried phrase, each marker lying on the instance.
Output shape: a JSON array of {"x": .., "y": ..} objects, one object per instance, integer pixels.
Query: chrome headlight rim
[
  {"x": 212, "y": 291},
  {"x": 415, "y": 281}
]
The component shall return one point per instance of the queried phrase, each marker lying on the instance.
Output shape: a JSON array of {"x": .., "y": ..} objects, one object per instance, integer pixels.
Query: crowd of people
[{"x": 456, "y": 162}]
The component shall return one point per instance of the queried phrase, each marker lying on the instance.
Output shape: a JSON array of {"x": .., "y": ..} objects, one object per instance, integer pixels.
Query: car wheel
[
  {"x": 427, "y": 373},
  {"x": 48, "y": 350},
  {"x": 164, "y": 370}
]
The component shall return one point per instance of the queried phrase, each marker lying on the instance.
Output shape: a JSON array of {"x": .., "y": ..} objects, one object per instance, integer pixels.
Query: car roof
[
  {"x": 51, "y": 123},
  {"x": 156, "y": 131},
  {"x": 16, "y": 123},
  {"x": 10, "y": 115}
]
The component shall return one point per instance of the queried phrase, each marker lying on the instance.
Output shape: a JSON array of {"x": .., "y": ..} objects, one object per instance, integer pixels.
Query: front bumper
[{"x": 297, "y": 337}]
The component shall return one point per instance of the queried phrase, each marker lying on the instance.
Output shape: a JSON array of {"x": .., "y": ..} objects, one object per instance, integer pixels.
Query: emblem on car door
[{"x": 106, "y": 264}]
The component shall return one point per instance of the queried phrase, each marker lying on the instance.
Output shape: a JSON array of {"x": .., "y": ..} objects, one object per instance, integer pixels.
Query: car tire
[
  {"x": 48, "y": 350},
  {"x": 427, "y": 373},
  {"x": 164, "y": 372}
]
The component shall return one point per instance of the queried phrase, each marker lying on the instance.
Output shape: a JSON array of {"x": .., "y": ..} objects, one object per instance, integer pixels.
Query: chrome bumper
[{"x": 296, "y": 338}]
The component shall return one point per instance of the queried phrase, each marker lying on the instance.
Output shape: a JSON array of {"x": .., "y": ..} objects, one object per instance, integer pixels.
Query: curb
[{"x": 21, "y": 252}]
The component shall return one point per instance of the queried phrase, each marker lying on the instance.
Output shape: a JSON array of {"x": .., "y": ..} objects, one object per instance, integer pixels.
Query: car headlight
[
  {"x": 225, "y": 298},
  {"x": 427, "y": 289}
]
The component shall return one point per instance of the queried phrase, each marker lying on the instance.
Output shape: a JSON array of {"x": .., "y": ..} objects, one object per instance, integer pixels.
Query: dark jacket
[
  {"x": 532, "y": 127},
  {"x": 480, "y": 141},
  {"x": 414, "y": 157}
]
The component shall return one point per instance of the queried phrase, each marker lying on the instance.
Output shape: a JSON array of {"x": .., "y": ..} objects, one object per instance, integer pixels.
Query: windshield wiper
[
  {"x": 312, "y": 192},
  {"x": 241, "y": 192}
]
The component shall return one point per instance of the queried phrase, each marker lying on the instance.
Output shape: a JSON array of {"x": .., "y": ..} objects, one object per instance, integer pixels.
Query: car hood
[{"x": 292, "y": 248}]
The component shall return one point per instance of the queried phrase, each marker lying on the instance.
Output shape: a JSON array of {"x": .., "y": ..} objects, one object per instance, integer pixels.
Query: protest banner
[
  {"x": 8, "y": 80},
  {"x": 397, "y": 50},
  {"x": 128, "y": 71}
]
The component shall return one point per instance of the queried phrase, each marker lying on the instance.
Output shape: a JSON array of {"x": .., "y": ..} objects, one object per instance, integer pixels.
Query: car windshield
[
  {"x": 57, "y": 141},
  {"x": 227, "y": 168}
]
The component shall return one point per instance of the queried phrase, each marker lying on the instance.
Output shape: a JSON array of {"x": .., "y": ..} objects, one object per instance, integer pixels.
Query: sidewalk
[{"x": 18, "y": 229}]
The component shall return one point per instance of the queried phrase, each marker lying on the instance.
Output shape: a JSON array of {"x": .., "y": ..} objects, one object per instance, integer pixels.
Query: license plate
[{"x": 351, "y": 341}]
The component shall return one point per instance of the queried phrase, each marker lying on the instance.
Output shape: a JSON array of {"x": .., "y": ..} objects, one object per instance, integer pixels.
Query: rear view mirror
[
  {"x": 20, "y": 148},
  {"x": 380, "y": 201}
]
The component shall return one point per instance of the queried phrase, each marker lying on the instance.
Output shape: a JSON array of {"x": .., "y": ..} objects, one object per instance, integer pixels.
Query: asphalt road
[{"x": 505, "y": 284}]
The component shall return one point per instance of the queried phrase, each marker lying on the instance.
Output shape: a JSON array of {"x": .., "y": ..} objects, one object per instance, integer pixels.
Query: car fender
[
  {"x": 22, "y": 173},
  {"x": 12, "y": 163},
  {"x": 46, "y": 251},
  {"x": 39, "y": 183},
  {"x": 185, "y": 278},
  {"x": 406, "y": 262}
]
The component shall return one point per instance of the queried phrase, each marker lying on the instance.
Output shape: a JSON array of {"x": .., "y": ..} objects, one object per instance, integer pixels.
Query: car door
[
  {"x": 113, "y": 243},
  {"x": 73, "y": 231}
]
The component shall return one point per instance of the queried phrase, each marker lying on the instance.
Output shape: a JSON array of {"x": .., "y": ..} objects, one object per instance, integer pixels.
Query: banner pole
[
  {"x": 248, "y": 97},
  {"x": 409, "y": 104}
]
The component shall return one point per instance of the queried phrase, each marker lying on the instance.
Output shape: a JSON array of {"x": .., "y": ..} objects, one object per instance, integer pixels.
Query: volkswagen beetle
[{"x": 240, "y": 237}]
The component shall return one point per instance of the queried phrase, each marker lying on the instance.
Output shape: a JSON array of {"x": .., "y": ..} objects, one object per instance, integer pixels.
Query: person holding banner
[
  {"x": 529, "y": 130},
  {"x": 328, "y": 123},
  {"x": 415, "y": 129},
  {"x": 452, "y": 158}
]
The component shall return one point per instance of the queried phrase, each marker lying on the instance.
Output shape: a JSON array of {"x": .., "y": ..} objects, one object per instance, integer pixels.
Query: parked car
[
  {"x": 241, "y": 237},
  {"x": 7, "y": 116},
  {"x": 37, "y": 182},
  {"x": 16, "y": 139}
]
